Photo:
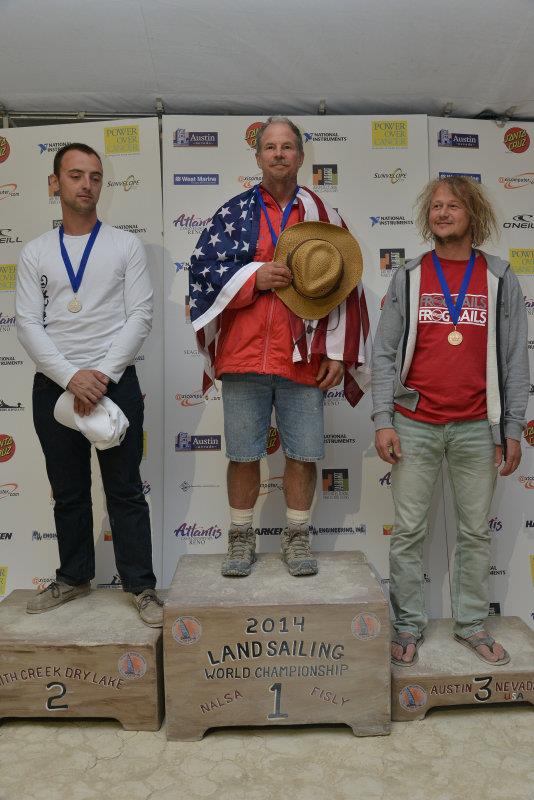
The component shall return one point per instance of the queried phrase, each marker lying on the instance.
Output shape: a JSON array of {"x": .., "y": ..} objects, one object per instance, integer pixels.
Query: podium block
[
  {"x": 448, "y": 674},
  {"x": 92, "y": 657},
  {"x": 271, "y": 649}
]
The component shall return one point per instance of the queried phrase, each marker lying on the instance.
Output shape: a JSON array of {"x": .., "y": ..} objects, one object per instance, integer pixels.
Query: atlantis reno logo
[
  {"x": 182, "y": 138},
  {"x": 391, "y": 258},
  {"x": 325, "y": 177},
  {"x": 335, "y": 484},
  {"x": 6, "y": 324},
  {"x": 197, "y": 534},
  {"x": 495, "y": 525},
  {"x": 196, "y": 179},
  {"x": 333, "y": 397},
  {"x": 517, "y": 140},
  {"x": 191, "y": 223},
  {"x": 186, "y": 442},
  {"x": 446, "y": 139}
]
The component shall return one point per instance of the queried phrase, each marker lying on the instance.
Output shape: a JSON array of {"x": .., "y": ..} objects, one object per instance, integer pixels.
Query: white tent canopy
[{"x": 464, "y": 57}]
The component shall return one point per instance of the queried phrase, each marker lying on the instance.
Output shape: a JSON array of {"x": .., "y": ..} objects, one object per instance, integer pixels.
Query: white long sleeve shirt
[{"x": 115, "y": 294}]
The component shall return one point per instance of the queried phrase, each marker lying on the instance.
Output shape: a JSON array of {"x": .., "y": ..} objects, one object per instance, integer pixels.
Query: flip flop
[
  {"x": 489, "y": 641},
  {"x": 405, "y": 642}
]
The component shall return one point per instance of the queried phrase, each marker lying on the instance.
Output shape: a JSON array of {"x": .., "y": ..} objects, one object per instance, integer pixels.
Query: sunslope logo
[
  {"x": 9, "y": 490},
  {"x": 129, "y": 183},
  {"x": 395, "y": 176},
  {"x": 520, "y": 181},
  {"x": 516, "y": 140}
]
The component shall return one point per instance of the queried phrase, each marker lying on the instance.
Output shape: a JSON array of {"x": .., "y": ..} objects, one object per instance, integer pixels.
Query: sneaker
[
  {"x": 55, "y": 594},
  {"x": 296, "y": 552},
  {"x": 150, "y": 607},
  {"x": 241, "y": 553}
]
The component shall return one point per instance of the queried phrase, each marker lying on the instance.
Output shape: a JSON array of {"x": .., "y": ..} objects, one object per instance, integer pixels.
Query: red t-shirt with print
[{"x": 451, "y": 380}]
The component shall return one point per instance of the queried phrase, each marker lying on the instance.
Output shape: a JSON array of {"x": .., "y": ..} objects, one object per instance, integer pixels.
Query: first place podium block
[
  {"x": 92, "y": 657},
  {"x": 272, "y": 649},
  {"x": 448, "y": 674}
]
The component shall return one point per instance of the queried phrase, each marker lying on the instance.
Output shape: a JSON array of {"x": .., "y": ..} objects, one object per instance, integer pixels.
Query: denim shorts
[{"x": 248, "y": 400}]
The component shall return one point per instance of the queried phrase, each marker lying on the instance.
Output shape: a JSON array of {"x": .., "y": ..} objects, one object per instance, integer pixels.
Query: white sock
[
  {"x": 298, "y": 519},
  {"x": 241, "y": 518}
]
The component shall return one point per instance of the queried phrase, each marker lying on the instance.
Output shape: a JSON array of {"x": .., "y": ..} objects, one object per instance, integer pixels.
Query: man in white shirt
[{"x": 83, "y": 309}]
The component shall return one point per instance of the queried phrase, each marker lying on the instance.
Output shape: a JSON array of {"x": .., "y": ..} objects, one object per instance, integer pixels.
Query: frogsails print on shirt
[
  {"x": 222, "y": 263},
  {"x": 433, "y": 309}
]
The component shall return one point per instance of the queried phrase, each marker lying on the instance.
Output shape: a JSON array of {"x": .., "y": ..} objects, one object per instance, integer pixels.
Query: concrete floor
[{"x": 454, "y": 754}]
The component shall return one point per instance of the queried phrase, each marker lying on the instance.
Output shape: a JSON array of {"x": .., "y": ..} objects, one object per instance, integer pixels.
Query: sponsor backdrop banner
[
  {"x": 130, "y": 199},
  {"x": 371, "y": 169},
  {"x": 502, "y": 158}
]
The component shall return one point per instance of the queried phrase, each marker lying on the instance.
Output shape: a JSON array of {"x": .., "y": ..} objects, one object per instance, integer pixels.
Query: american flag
[{"x": 221, "y": 264}]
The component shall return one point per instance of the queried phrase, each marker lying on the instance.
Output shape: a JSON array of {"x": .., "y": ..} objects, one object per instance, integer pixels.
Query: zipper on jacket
[
  {"x": 499, "y": 363},
  {"x": 406, "y": 321},
  {"x": 268, "y": 331}
]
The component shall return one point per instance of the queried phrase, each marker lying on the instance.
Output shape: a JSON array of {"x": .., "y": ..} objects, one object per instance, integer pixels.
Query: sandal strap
[
  {"x": 476, "y": 641},
  {"x": 405, "y": 641}
]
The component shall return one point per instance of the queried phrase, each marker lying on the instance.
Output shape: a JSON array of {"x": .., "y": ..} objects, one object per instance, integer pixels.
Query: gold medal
[
  {"x": 74, "y": 306},
  {"x": 455, "y": 337}
]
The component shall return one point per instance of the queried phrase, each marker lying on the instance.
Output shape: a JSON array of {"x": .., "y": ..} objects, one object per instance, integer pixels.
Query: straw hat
[{"x": 326, "y": 264}]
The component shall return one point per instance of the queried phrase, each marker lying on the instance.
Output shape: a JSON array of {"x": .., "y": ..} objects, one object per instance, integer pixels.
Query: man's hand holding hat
[{"x": 272, "y": 275}]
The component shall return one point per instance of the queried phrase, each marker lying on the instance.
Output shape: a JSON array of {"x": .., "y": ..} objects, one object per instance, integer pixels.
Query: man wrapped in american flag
[{"x": 266, "y": 354}]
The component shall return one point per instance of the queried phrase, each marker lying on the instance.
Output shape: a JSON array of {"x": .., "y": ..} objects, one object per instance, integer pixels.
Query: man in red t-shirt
[{"x": 450, "y": 378}]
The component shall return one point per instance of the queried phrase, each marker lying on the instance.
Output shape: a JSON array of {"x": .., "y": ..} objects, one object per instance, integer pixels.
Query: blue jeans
[
  {"x": 68, "y": 464},
  {"x": 248, "y": 401},
  {"x": 469, "y": 450}
]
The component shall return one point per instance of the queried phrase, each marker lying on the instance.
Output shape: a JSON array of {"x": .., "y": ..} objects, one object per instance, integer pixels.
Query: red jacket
[{"x": 255, "y": 331}]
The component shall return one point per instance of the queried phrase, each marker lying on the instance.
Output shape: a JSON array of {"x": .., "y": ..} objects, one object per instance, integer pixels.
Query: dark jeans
[{"x": 68, "y": 464}]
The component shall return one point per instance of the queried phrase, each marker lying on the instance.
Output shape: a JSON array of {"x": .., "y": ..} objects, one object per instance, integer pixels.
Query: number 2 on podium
[{"x": 277, "y": 714}]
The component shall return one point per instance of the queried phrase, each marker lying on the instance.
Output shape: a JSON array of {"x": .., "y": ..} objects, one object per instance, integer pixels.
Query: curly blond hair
[{"x": 472, "y": 195}]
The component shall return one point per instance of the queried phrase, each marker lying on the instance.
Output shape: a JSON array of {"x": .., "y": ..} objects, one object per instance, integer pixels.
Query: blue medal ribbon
[
  {"x": 285, "y": 216},
  {"x": 454, "y": 308},
  {"x": 76, "y": 279}
]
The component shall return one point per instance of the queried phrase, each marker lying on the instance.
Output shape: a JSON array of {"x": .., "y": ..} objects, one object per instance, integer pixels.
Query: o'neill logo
[
  {"x": 520, "y": 221},
  {"x": 9, "y": 490},
  {"x": 517, "y": 140},
  {"x": 7, "y": 447}
]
